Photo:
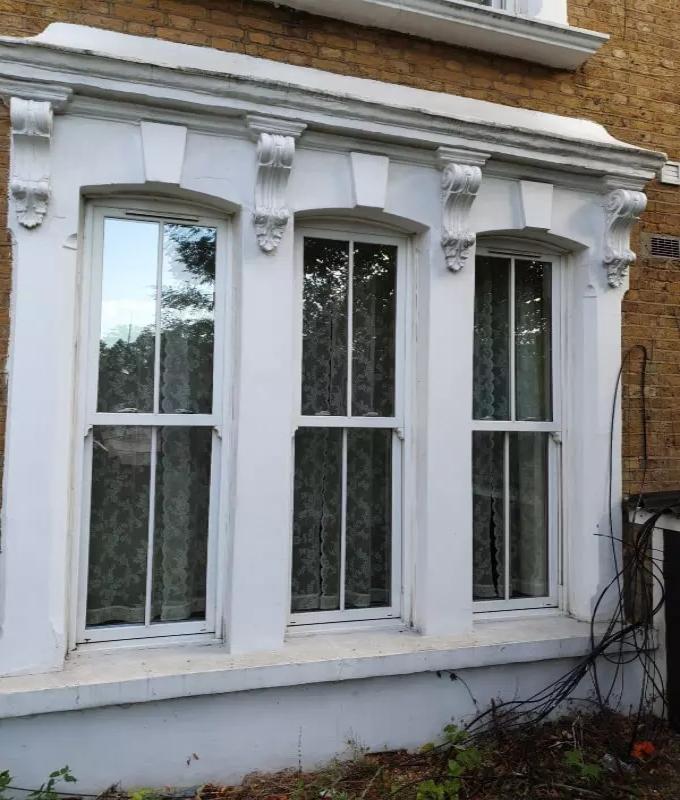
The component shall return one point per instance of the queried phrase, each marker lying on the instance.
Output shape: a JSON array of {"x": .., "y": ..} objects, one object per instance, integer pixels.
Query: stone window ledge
[
  {"x": 467, "y": 25},
  {"x": 98, "y": 678}
]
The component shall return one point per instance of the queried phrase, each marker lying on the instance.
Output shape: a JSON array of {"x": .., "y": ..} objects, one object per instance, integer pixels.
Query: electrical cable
[{"x": 622, "y": 642}]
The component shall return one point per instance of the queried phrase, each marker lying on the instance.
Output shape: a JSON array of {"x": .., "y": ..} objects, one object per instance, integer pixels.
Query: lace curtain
[
  {"x": 526, "y": 453},
  {"x": 322, "y": 454},
  {"x": 120, "y": 519}
]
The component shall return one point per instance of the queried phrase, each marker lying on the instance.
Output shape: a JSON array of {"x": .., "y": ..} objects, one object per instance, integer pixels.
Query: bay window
[
  {"x": 153, "y": 419},
  {"x": 346, "y": 551},
  {"x": 516, "y": 431}
]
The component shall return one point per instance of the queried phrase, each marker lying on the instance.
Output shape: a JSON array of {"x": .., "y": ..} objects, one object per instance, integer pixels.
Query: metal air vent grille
[{"x": 664, "y": 247}]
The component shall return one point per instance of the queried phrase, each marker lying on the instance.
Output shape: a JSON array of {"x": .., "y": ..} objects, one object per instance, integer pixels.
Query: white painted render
[
  {"x": 533, "y": 30},
  {"x": 104, "y": 90},
  {"x": 549, "y": 10},
  {"x": 236, "y": 734}
]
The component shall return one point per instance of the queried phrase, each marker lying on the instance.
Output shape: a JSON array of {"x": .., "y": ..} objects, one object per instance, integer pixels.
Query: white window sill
[
  {"x": 104, "y": 677},
  {"x": 468, "y": 25}
]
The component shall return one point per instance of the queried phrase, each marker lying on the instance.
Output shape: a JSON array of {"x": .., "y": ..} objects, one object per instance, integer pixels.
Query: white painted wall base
[{"x": 151, "y": 744}]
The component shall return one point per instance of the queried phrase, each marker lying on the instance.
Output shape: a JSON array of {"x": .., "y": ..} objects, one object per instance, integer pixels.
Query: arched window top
[
  {"x": 360, "y": 220},
  {"x": 535, "y": 243},
  {"x": 162, "y": 198}
]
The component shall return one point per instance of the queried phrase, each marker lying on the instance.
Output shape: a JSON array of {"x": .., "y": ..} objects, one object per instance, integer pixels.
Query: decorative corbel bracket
[
  {"x": 623, "y": 207},
  {"x": 275, "y": 156},
  {"x": 31, "y": 123},
  {"x": 461, "y": 179}
]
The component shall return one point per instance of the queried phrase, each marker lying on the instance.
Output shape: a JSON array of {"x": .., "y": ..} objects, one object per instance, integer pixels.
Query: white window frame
[
  {"x": 160, "y": 211},
  {"x": 554, "y": 598},
  {"x": 517, "y": 7},
  {"x": 500, "y": 5},
  {"x": 359, "y": 232}
]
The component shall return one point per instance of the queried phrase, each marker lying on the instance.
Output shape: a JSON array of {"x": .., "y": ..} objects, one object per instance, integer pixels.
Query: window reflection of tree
[
  {"x": 324, "y": 332},
  {"x": 533, "y": 325},
  {"x": 325, "y": 328},
  {"x": 373, "y": 356},
  {"x": 126, "y": 372}
]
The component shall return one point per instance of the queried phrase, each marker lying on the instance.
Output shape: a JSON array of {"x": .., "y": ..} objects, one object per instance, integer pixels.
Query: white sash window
[
  {"x": 346, "y": 561},
  {"x": 516, "y": 431},
  {"x": 153, "y": 415}
]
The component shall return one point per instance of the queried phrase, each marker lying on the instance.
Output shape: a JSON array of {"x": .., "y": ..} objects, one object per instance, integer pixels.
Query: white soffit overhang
[
  {"x": 467, "y": 25},
  {"x": 116, "y": 75}
]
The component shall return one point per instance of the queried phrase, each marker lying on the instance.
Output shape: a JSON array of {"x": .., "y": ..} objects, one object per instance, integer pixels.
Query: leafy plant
[
  {"x": 587, "y": 770},
  {"x": 5, "y": 780},
  {"x": 145, "y": 794},
  {"x": 463, "y": 758},
  {"x": 47, "y": 790}
]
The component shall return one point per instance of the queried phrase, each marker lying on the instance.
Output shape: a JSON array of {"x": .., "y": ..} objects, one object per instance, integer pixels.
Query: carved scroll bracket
[
  {"x": 31, "y": 123},
  {"x": 275, "y": 156},
  {"x": 623, "y": 208},
  {"x": 461, "y": 179}
]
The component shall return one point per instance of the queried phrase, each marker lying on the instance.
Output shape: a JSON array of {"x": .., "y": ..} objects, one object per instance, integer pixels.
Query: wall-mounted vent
[
  {"x": 664, "y": 247},
  {"x": 670, "y": 173}
]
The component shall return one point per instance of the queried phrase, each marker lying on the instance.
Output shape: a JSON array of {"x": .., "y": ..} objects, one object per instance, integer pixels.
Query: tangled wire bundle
[{"x": 619, "y": 642}]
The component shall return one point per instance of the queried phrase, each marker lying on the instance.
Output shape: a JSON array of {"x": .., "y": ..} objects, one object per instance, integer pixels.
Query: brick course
[{"x": 631, "y": 86}]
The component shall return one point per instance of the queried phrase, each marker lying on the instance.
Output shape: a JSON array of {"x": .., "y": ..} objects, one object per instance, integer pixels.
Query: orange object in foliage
[{"x": 642, "y": 750}]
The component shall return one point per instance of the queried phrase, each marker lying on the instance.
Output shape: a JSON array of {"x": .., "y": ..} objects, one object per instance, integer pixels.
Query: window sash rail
[
  {"x": 322, "y": 421},
  {"x": 143, "y": 420},
  {"x": 156, "y": 630},
  {"x": 512, "y": 426}
]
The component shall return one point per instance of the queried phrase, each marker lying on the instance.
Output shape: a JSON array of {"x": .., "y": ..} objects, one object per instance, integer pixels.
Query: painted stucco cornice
[
  {"x": 473, "y": 26},
  {"x": 108, "y": 68}
]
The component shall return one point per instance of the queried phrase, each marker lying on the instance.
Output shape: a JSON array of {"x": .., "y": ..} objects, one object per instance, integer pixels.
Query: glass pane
[
  {"x": 119, "y": 524},
  {"x": 491, "y": 394},
  {"x": 317, "y": 519},
  {"x": 488, "y": 516},
  {"x": 529, "y": 515},
  {"x": 181, "y": 524},
  {"x": 187, "y": 319},
  {"x": 324, "y": 327},
  {"x": 128, "y": 324},
  {"x": 533, "y": 328},
  {"x": 373, "y": 321},
  {"x": 369, "y": 518}
]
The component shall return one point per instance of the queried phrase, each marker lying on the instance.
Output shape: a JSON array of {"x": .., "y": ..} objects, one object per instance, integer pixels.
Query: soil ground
[{"x": 580, "y": 757}]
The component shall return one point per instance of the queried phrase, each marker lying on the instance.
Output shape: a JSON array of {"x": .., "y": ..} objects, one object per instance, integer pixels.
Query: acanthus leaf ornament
[
  {"x": 623, "y": 208},
  {"x": 275, "y": 157},
  {"x": 31, "y": 125},
  {"x": 461, "y": 179},
  {"x": 31, "y": 199}
]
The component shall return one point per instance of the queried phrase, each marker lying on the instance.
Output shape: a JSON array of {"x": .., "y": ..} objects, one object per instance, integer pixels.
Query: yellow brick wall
[{"x": 631, "y": 86}]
